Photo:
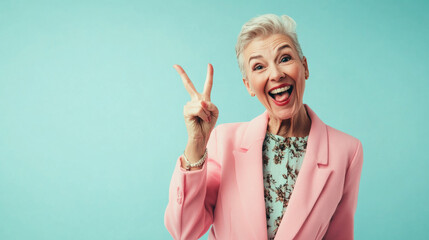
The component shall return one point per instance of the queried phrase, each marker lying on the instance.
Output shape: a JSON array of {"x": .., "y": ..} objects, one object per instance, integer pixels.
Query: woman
[{"x": 283, "y": 175}]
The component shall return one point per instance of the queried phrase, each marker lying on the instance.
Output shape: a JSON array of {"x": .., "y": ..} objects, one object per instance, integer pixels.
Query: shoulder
[
  {"x": 246, "y": 131},
  {"x": 230, "y": 130},
  {"x": 227, "y": 127},
  {"x": 341, "y": 138},
  {"x": 341, "y": 143}
]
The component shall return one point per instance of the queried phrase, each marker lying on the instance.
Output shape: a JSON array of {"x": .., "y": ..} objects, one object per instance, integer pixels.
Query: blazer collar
[
  {"x": 309, "y": 184},
  {"x": 255, "y": 131}
]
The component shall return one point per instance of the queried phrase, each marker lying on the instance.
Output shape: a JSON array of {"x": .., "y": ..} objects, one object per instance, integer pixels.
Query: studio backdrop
[{"x": 91, "y": 109}]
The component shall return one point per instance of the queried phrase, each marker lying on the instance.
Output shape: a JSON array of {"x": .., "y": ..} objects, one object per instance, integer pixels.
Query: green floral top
[{"x": 282, "y": 160}]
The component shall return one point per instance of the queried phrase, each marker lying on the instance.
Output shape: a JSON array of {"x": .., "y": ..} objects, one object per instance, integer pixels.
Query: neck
[{"x": 296, "y": 126}]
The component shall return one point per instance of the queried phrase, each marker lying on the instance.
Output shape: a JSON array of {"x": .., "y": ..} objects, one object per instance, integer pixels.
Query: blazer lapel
[
  {"x": 248, "y": 166},
  {"x": 310, "y": 182}
]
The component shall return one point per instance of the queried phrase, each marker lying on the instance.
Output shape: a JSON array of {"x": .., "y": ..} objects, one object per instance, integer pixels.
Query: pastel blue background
[{"x": 91, "y": 109}]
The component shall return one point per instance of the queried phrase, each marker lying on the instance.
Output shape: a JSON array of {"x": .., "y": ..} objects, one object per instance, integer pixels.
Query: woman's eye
[
  {"x": 257, "y": 67},
  {"x": 286, "y": 58}
]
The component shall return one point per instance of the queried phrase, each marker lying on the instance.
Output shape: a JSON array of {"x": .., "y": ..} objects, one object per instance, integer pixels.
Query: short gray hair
[{"x": 265, "y": 25}]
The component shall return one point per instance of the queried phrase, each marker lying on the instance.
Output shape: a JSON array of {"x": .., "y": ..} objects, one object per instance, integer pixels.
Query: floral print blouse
[{"x": 282, "y": 160}]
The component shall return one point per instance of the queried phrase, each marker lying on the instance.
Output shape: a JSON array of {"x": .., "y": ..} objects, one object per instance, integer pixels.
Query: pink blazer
[{"x": 228, "y": 192}]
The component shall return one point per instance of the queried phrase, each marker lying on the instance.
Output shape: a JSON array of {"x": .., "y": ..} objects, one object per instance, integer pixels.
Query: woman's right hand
[{"x": 200, "y": 114}]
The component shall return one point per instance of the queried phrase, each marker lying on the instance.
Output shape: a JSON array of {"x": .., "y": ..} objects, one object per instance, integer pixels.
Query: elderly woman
[{"x": 284, "y": 174}]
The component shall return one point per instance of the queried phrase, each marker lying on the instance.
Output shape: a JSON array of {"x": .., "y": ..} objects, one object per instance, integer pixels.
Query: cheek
[
  {"x": 297, "y": 72},
  {"x": 258, "y": 85},
  {"x": 300, "y": 86},
  {"x": 298, "y": 75}
]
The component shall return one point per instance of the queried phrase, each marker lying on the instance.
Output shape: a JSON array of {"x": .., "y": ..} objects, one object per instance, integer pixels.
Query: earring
[{"x": 252, "y": 94}]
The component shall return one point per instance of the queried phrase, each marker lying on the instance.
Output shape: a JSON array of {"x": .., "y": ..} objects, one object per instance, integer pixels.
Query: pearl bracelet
[{"x": 197, "y": 164}]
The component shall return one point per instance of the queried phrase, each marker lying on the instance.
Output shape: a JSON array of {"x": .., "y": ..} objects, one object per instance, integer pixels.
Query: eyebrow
[{"x": 278, "y": 50}]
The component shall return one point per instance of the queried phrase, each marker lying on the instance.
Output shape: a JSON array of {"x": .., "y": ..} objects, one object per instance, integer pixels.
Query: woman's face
[{"x": 275, "y": 74}]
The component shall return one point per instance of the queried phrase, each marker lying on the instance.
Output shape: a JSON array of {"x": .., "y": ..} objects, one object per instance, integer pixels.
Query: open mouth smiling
[{"x": 281, "y": 94}]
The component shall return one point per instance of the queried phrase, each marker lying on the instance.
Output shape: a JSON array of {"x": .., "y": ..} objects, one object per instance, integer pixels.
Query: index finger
[
  {"x": 186, "y": 81},
  {"x": 209, "y": 82}
]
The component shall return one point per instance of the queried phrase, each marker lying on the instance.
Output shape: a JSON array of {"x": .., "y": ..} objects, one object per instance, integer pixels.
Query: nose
[{"x": 276, "y": 73}]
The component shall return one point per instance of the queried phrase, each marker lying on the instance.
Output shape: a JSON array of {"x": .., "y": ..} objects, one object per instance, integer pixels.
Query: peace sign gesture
[{"x": 200, "y": 114}]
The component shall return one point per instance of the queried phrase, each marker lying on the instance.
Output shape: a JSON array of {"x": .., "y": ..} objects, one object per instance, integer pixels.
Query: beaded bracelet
[{"x": 197, "y": 164}]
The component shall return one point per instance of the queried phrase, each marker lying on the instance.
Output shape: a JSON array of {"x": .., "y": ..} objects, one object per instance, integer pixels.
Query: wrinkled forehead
[{"x": 267, "y": 45}]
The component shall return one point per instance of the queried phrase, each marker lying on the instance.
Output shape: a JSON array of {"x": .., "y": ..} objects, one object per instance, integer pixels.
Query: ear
[
  {"x": 248, "y": 87},
  {"x": 304, "y": 63}
]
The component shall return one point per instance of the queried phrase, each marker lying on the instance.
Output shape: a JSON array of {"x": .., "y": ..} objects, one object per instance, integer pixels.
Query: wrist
[
  {"x": 193, "y": 165},
  {"x": 195, "y": 149}
]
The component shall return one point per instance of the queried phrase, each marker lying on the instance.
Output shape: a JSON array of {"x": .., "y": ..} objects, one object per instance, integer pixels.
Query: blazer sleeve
[
  {"x": 342, "y": 222},
  {"x": 192, "y": 197}
]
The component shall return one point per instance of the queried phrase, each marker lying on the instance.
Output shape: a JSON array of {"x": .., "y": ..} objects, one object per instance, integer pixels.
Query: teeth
[{"x": 279, "y": 90}]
